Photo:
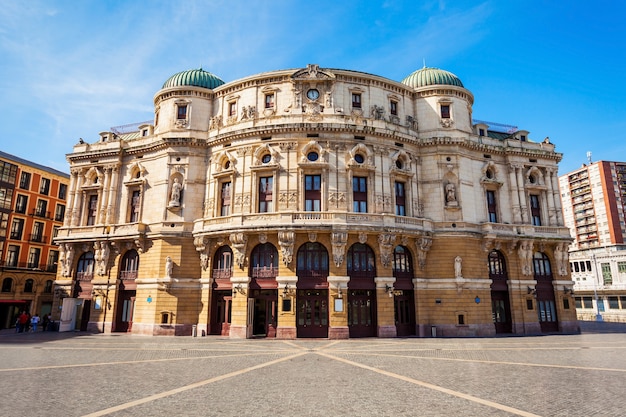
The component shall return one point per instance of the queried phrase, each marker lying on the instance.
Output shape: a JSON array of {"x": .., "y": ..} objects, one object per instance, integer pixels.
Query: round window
[
  {"x": 227, "y": 165},
  {"x": 312, "y": 156},
  {"x": 359, "y": 158},
  {"x": 399, "y": 164},
  {"x": 266, "y": 158}
]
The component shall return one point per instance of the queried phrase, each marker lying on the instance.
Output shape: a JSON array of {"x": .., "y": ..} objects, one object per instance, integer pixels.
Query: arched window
[
  {"x": 84, "y": 269},
  {"x": 47, "y": 289},
  {"x": 264, "y": 261},
  {"x": 129, "y": 265},
  {"x": 541, "y": 265},
  {"x": 312, "y": 260},
  {"x": 223, "y": 263},
  {"x": 7, "y": 284},
  {"x": 28, "y": 285},
  {"x": 361, "y": 261},
  {"x": 402, "y": 263},
  {"x": 497, "y": 265}
]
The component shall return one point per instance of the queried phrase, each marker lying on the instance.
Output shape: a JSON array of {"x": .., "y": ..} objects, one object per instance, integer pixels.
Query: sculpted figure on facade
[
  {"x": 286, "y": 241},
  {"x": 458, "y": 265},
  {"x": 66, "y": 257},
  {"x": 423, "y": 244},
  {"x": 202, "y": 246},
  {"x": 525, "y": 253},
  {"x": 450, "y": 193},
  {"x": 175, "y": 194},
  {"x": 338, "y": 241},
  {"x": 238, "y": 243},
  {"x": 102, "y": 252},
  {"x": 386, "y": 243},
  {"x": 562, "y": 258},
  {"x": 169, "y": 267}
]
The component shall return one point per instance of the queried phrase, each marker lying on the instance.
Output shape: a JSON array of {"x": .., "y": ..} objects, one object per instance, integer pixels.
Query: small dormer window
[
  {"x": 269, "y": 101},
  {"x": 144, "y": 132},
  {"x": 522, "y": 138},
  {"x": 181, "y": 114},
  {"x": 393, "y": 107},
  {"x": 481, "y": 132},
  {"x": 356, "y": 100},
  {"x": 232, "y": 108},
  {"x": 445, "y": 111}
]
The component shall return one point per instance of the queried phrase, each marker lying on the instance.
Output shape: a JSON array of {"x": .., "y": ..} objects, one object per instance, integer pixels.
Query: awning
[{"x": 12, "y": 301}]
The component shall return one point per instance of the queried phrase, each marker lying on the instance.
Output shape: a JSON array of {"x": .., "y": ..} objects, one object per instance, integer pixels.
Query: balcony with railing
[
  {"x": 264, "y": 272},
  {"x": 84, "y": 276},
  {"x": 32, "y": 266},
  {"x": 128, "y": 275},
  {"x": 40, "y": 213},
  {"x": 38, "y": 238}
]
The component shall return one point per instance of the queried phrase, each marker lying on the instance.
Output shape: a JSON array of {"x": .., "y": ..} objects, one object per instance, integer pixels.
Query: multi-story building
[
  {"x": 315, "y": 203},
  {"x": 594, "y": 202},
  {"x": 32, "y": 209}
]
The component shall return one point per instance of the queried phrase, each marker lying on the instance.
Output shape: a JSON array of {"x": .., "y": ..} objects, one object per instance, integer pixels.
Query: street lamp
[{"x": 595, "y": 285}]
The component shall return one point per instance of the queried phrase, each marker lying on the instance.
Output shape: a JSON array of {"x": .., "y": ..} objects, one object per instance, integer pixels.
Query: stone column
[
  {"x": 70, "y": 198},
  {"x": 522, "y": 193},
  {"x": 102, "y": 212},
  {"x": 517, "y": 218},
  {"x": 111, "y": 207},
  {"x": 77, "y": 198}
]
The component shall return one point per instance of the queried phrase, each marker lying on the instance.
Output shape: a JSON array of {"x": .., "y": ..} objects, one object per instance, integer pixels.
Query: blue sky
[{"x": 71, "y": 69}]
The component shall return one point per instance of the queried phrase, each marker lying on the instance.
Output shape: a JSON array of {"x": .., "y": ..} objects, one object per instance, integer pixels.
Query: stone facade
[{"x": 317, "y": 203}]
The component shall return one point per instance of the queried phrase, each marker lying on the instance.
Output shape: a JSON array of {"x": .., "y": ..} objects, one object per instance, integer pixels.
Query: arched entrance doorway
[
  {"x": 546, "y": 306},
  {"x": 361, "y": 291},
  {"x": 404, "y": 298},
  {"x": 312, "y": 291},
  {"x": 83, "y": 289},
  {"x": 221, "y": 296},
  {"x": 263, "y": 296},
  {"x": 127, "y": 290},
  {"x": 500, "y": 302}
]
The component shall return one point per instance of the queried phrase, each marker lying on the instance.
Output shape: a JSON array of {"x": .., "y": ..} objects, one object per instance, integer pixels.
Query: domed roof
[
  {"x": 431, "y": 76},
  {"x": 194, "y": 77}
]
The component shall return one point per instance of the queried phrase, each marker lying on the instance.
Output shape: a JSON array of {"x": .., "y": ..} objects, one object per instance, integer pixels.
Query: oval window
[
  {"x": 312, "y": 156},
  {"x": 399, "y": 164},
  {"x": 359, "y": 158},
  {"x": 266, "y": 158},
  {"x": 227, "y": 165}
]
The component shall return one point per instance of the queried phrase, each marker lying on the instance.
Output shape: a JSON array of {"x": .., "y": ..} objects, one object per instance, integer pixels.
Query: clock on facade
[{"x": 313, "y": 94}]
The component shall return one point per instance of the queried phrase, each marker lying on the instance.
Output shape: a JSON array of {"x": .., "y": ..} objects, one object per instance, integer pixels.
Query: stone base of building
[
  {"x": 162, "y": 329},
  {"x": 528, "y": 328},
  {"x": 570, "y": 327},
  {"x": 339, "y": 332},
  {"x": 99, "y": 327},
  {"x": 454, "y": 330},
  {"x": 387, "y": 331},
  {"x": 286, "y": 333},
  {"x": 238, "y": 332}
]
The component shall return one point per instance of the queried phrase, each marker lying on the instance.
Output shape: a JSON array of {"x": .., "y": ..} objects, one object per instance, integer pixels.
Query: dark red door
[
  {"x": 221, "y": 313},
  {"x": 501, "y": 311},
  {"x": 404, "y": 306},
  {"x": 125, "y": 309},
  {"x": 312, "y": 313},
  {"x": 362, "y": 313}
]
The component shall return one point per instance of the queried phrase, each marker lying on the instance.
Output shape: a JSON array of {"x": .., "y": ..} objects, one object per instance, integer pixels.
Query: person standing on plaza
[
  {"x": 34, "y": 321},
  {"x": 23, "y": 321}
]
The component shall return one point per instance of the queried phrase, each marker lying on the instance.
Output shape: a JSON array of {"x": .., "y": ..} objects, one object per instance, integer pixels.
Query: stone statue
[
  {"x": 175, "y": 195},
  {"x": 457, "y": 267},
  {"x": 169, "y": 266},
  {"x": 450, "y": 193}
]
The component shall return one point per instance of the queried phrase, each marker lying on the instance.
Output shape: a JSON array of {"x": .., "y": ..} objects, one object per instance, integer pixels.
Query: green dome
[
  {"x": 195, "y": 77},
  {"x": 431, "y": 76}
]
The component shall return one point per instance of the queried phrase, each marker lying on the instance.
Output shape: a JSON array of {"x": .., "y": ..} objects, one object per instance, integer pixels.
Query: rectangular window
[
  {"x": 359, "y": 194},
  {"x": 135, "y": 201},
  {"x": 59, "y": 213},
  {"x": 62, "y": 191},
  {"x": 232, "y": 108},
  {"x": 582, "y": 266},
  {"x": 42, "y": 208},
  {"x": 4, "y": 225},
  {"x": 606, "y": 273},
  {"x": 25, "y": 180},
  {"x": 13, "y": 255},
  {"x": 17, "y": 227},
  {"x": 621, "y": 267},
  {"x": 393, "y": 107},
  {"x": 576, "y": 268},
  {"x": 44, "y": 187},
  {"x": 37, "y": 235},
  {"x": 53, "y": 259},
  {"x": 579, "y": 302},
  {"x": 445, "y": 111},
  {"x": 181, "y": 113},
  {"x": 21, "y": 205},
  {"x": 8, "y": 172},
  {"x": 266, "y": 194},
  {"x": 269, "y": 101},
  {"x": 33, "y": 258},
  {"x": 481, "y": 132},
  {"x": 400, "y": 199},
  {"x": 613, "y": 303},
  {"x": 587, "y": 302},
  {"x": 92, "y": 210},
  {"x": 6, "y": 198},
  {"x": 312, "y": 192},
  {"x": 622, "y": 300},
  {"x": 356, "y": 100},
  {"x": 491, "y": 206},
  {"x": 535, "y": 210},
  {"x": 55, "y": 231},
  {"x": 225, "y": 198}
]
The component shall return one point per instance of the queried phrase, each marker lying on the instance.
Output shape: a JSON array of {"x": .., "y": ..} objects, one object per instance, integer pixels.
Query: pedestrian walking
[{"x": 34, "y": 321}]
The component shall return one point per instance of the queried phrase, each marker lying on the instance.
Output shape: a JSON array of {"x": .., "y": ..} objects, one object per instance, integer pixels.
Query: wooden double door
[
  {"x": 362, "y": 313},
  {"x": 312, "y": 313}
]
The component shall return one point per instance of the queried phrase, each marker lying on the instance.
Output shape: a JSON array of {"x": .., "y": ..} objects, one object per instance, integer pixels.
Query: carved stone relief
[
  {"x": 338, "y": 241},
  {"x": 286, "y": 241}
]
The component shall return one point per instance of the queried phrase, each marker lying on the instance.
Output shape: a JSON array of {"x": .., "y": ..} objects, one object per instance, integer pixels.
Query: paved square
[{"x": 78, "y": 374}]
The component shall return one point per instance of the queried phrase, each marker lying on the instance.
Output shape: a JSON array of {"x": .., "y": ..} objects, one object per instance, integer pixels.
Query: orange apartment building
[{"x": 32, "y": 209}]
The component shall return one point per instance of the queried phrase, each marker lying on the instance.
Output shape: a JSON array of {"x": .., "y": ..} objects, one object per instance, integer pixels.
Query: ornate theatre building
[{"x": 314, "y": 202}]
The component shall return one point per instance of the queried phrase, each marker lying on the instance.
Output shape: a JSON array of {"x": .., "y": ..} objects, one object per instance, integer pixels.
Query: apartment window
[
  {"x": 445, "y": 111},
  {"x": 225, "y": 198},
  {"x": 613, "y": 303},
  {"x": 17, "y": 227},
  {"x": 28, "y": 285},
  {"x": 44, "y": 187},
  {"x": 359, "y": 194},
  {"x": 13, "y": 255},
  {"x": 7, "y": 284},
  {"x": 47, "y": 288},
  {"x": 55, "y": 231},
  {"x": 265, "y": 194},
  {"x": 491, "y": 206},
  {"x": 62, "y": 191},
  {"x": 400, "y": 199},
  {"x": 181, "y": 112},
  {"x": 59, "y": 213},
  {"x": 21, "y": 204},
  {"x": 92, "y": 210},
  {"x": 25, "y": 180},
  {"x": 6, "y": 196},
  {"x": 4, "y": 225},
  {"x": 393, "y": 107},
  {"x": 232, "y": 108},
  {"x": 606, "y": 273},
  {"x": 135, "y": 203},
  {"x": 576, "y": 267},
  {"x": 37, "y": 235},
  {"x": 356, "y": 100},
  {"x": 42, "y": 208},
  {"x": 587, "y": 302},
  {"x": 8, "y": 172},
  {"x": 535, "y": 210},
  {"x": 53, "y": 260},
  {"x": 312, "y": 192},
  {"x": 621, "y": 267},
  {"x": 269, "y": 101}
]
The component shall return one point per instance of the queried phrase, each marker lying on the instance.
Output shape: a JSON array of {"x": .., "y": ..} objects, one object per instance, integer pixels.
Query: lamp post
[{"x": 595, "y": 285}]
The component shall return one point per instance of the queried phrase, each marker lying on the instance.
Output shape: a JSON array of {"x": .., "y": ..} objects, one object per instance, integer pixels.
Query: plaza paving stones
[{"x": 81, "y": 374}]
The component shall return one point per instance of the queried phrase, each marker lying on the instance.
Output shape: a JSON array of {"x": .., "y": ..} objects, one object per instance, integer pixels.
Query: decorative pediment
[{"x": 313, "y": 72}]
